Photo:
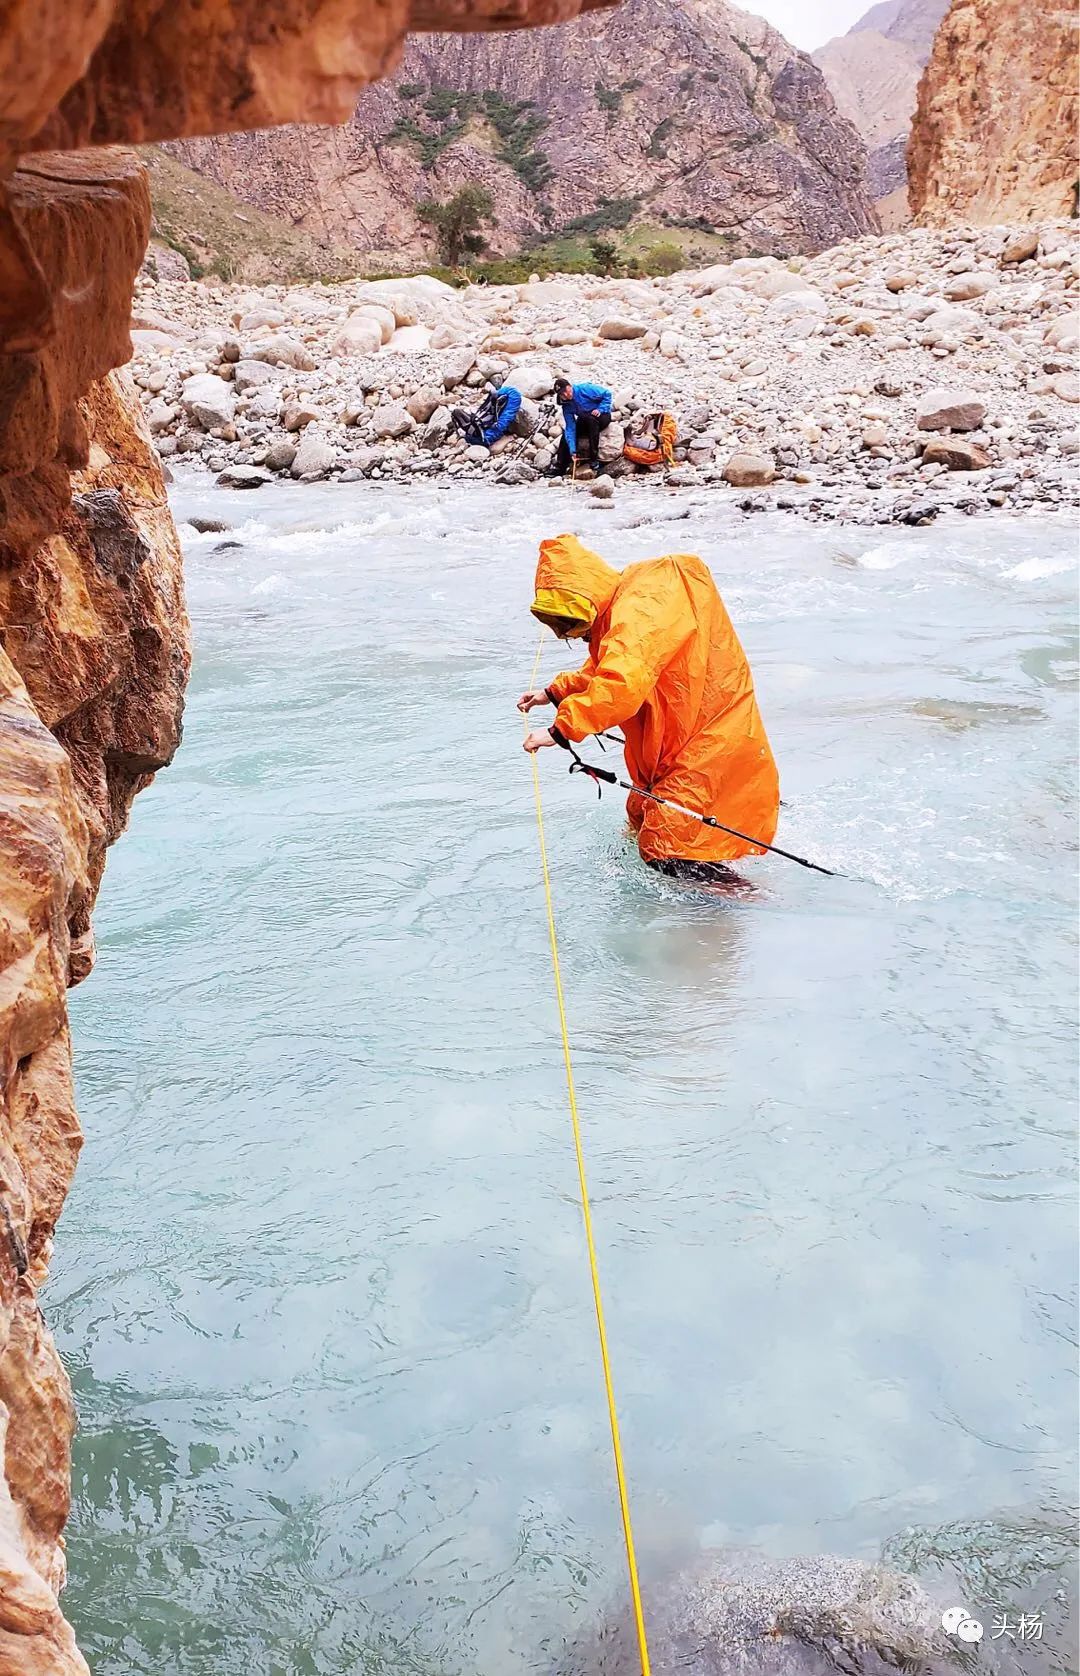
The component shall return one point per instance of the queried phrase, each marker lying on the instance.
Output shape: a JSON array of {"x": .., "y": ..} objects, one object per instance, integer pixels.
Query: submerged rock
[{"x": 742, "y": 1614}]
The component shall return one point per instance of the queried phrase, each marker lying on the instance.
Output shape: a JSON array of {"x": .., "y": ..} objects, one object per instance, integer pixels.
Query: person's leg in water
[{"x": 716, "y": 875}]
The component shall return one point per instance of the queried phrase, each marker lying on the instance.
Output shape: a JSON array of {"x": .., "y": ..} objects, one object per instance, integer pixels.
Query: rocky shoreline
[{"x": 886, "y": 380}]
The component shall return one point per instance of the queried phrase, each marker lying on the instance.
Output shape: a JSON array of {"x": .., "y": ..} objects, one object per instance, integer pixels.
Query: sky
[{"x": 808, "y": 23}]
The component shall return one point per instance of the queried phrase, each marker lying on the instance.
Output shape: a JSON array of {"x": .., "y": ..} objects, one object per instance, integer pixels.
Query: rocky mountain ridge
[
  {"x": 873, "y": 74},
  {"x": 682, "y": 112}
]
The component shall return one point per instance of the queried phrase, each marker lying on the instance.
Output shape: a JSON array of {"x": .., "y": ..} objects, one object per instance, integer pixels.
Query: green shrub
[
  {"x": 665, "y": 258},
  {"x": 631, "y": 86},
  {"x": 658, "y": 140},
  {"x": 686, "y": 81},
  {"x": 610, "y": 101},
  {"x": 609, "y": 213},
  {"x": 411, "y": 89}
]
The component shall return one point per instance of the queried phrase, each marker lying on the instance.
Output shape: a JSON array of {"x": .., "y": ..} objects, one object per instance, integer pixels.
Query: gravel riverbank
[{"x": 883, "y": 381}]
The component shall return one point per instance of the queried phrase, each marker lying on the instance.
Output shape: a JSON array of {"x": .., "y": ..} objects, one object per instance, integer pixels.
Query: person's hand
[
  {"x": 596, "y": 413},
  {"x": 536, "y": 740},
  {"x": 529, "y": 701}
]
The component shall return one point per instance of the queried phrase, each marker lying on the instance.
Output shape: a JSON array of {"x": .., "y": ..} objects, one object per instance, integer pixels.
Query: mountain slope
[
  {"x": 994, "y": 136},
  {"x": 873, "y": 74},
  {"x": 681, "y": 111}
]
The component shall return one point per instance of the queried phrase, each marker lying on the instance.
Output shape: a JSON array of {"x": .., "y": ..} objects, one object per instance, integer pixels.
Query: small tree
[
  {"x": 605, "y": 253},
  {"x": 457, "y": 222}
]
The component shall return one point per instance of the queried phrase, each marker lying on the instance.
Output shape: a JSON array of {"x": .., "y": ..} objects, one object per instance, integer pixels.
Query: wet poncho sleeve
[
  {"x": 507, "y": 404},
  {"x": 571, "y": 681},
  {"x": 651, "y": 620}
]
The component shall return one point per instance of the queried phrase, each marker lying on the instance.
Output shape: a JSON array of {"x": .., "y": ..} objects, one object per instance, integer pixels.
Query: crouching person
[{"x": 491, "y": 420}]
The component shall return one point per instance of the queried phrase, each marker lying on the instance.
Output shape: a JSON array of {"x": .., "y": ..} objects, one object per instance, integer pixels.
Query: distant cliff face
[
  {"x": 994, "y": 135},
  {"x": 873, "y": 74},
  {"x": 682, "y": 110}
]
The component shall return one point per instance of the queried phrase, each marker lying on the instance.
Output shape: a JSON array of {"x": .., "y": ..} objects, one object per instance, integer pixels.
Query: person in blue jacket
[
  {"x": 586, "y": 411},
  {"x": 492, "y": 419}
]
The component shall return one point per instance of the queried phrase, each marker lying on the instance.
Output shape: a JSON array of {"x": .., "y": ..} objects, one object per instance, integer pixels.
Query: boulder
[
  {"x": 956, "y": 453},
  {"x": 243, "y": 477},
  {"x": 611, "y": 443},
  {"x": 358, "y": 335},
  {"x": 392, "y": 421},
  {"x": 410, "y": 340},
  {"x": 258, "y": 319},
  {"x": 420, "y": 299},
  {"x": 424, "y": 403},
  {"x": 1021, "y": 248},
  {"x": 875, "y": 436},
  {"x": 1066, "y": 387},
  {"x": 209, "y": 400},
  {"x": 533, "y": 379},
  {"x": 543, "y": 291},
  {"x": 1064, "y": 332},
  {"x": 602, "y": 487},
  {"x": 444, "y": 337},
  {"x": 954, "y": 410},
  {"x": 527, "y": 418},
  {"x": 901, "y": 280},
  {"x": 620, "y": 328},
  {"x": 160, "y": 416},
  {"x": 671, "y": 346},
  {"x": 953, "y": 323},
  {"x": 457, "y": 366},
  {"x": 749, "y": 471},
  {"x": 437, "y": 429},
  {"x": 280, "y": 456},
  {"x": 153, "y": 339},
  {"x": 252, "y": 375},
  {"x": 510, "y": 343},
  {"x": 382, "y": 317},
  {"x": 967, "y": 286},
  {"x": 282, "y": 351},
  {"x": 564, "y": 337},
  {"x": 793, "y": 303},
  {"x": 145, "y": 319},
  {"x": 314, "y": 456},
  {"x": 296, "y": 416}
]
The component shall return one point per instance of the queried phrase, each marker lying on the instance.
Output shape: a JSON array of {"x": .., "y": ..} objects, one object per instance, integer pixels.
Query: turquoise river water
[{"x": 320, "y": 1283}]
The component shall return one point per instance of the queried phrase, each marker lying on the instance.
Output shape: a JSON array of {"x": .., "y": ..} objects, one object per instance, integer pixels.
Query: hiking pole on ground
[{"x": 580, "y": 766}]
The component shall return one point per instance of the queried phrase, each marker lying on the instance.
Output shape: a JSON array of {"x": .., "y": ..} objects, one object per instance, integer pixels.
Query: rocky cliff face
[
  {"x": 93, "y": 632},
  {"x": 92, "y": 675},
  {"x": 873, "y": 74},
  {"x": 683, "y": 111},
  {"x": 994, "y": 134}
]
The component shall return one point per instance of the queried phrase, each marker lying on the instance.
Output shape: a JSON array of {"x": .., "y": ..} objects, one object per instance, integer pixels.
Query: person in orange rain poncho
[{"x": 666, "y": 666}]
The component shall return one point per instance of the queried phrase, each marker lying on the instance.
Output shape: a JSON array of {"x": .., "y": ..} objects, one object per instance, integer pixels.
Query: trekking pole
[{"x": 580, "y": 766}]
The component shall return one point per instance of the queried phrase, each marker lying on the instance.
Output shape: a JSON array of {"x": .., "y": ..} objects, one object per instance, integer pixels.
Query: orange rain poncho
[{"x": 666, "y": 666}]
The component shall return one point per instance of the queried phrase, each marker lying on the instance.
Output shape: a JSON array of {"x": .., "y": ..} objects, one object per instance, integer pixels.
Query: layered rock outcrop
[
  {"x": 93, "y": 630},
  {"x": 873, "y": 74},
  {"x": 994, "y": 133},
  {"x": 92, "y": 675},
  {"x": 686, "y": 112}
]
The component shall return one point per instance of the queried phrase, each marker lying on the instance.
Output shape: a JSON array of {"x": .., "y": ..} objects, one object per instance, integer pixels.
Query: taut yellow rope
[{"x": 594, "y": 1270}]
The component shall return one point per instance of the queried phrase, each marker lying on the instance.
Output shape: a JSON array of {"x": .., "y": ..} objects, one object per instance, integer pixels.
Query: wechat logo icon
[{"x": 959, "y": 1622}]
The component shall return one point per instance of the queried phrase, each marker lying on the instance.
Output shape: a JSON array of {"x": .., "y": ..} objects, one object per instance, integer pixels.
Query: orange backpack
[{"x": 664, "y": 453}]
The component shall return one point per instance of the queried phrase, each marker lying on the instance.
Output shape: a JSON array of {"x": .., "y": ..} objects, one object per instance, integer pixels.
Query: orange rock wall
[
  {"x": 93, "y": 632},
  {"x": 994, "y": 136}
]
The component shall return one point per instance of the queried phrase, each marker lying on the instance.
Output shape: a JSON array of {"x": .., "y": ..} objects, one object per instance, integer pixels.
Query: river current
[{"x": 321, "y": 1284}]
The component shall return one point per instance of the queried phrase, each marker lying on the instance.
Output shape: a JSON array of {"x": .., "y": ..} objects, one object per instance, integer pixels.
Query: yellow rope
[{"x": 594, "y": 1270}]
